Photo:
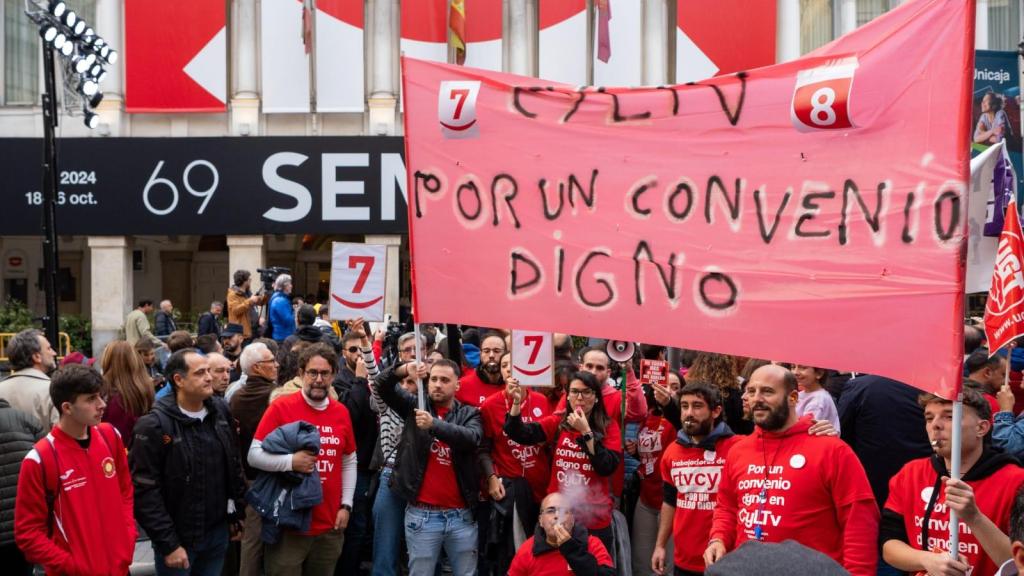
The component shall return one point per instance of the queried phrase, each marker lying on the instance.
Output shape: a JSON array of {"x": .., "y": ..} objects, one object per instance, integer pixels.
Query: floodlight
[{"x": 57, "y": 8}]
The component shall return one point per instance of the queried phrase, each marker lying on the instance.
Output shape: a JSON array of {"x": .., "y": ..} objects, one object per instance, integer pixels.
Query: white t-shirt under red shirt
[{"x": 336, "y": 441}]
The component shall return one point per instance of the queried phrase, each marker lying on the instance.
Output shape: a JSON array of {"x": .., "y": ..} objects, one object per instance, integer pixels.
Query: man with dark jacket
[
  {"x": 18, "y": 432},
  {"x": 436, "y": 468},
  {"x": 560, "y": 546},
  {"x": 353, "y": 390},
  {"x": 164, "y": 320},
  {"x": 209, "y": 322},
  {"x": 248, "y": 406},
  {"x": 189, "y": 486},
  {"x": 306, "y": 332}
]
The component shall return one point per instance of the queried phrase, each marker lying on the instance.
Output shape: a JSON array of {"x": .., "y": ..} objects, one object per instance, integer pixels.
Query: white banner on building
[
  {"x": 358, "y": 281},
  {"x": 339, "y": 56},
  {"x": 563, "y": 41},
  {"x": 981, "y": 249},
  {"x": 626, "y": 40},
  {"x": 284, "y": 64}
]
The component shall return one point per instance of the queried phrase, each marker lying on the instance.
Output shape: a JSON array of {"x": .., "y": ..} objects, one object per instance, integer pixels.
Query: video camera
[{"x": 268, "y": 275}]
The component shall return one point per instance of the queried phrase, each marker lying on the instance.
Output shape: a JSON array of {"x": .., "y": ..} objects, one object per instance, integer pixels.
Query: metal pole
[
  {"x": 50, "y": 262},
  {"x": 419, "y": 381},
  {"x": 954, "y": 472}
]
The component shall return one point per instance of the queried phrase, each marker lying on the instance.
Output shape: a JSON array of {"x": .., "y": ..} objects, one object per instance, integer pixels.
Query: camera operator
[
  {"x": 281, "y": 317},
  {"x": 242, "y": 304}
]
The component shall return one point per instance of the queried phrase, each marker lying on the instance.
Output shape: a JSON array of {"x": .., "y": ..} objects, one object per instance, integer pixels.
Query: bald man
[
  {"x": 559, "y": 546},
  {"x": 780, "y": 483}
]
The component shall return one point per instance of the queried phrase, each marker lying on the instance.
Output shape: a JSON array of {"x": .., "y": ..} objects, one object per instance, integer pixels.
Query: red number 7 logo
[
  {"x": 461, "y": 94},
  {"x": 367, "y": 265},
  {"x": 534, "y": 342}
]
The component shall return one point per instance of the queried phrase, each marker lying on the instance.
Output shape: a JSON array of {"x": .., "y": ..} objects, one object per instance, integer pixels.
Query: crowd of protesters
[{"x": 296, "y": 445}]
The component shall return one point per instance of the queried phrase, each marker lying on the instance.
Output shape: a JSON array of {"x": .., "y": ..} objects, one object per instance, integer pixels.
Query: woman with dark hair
[
  {"x": 993, "y": 125},
  {"x": 586, "y": 446},
  {"x": 719, "y": 371},
  {"x": 128, "y": 387}
]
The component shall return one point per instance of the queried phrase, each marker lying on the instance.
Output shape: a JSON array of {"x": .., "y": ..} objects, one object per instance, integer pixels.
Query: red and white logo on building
[
  {"x": 456, "y": 108},
  {"x": 821, "y": 98}
]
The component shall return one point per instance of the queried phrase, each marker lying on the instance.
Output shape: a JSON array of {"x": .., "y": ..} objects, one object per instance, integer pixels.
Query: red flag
[{"x": 1004, "y": 312}]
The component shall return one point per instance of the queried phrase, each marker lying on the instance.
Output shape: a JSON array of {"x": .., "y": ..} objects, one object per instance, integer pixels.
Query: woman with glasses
[
  {"x": 127, "y": 386},
  {"x": 586, "y": 446}
]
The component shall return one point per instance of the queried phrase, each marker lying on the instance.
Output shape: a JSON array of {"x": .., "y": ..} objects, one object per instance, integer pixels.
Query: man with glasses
[
  {"x": 560, "y": 546},
  {"x": 315, "y": 552},
  {"x": 187, "y": 473},
  {"x": 248, "y": 406},
  {"x": 353, "y": 388},
  {"x": 477, "y": 385}
]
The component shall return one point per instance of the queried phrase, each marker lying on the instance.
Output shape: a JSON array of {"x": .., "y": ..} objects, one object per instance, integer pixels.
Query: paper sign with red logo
[
  {"x": 821, "y": 99},
  {"x": 1004, "y": 312},
  {"x": 358, "y": 281},
  {"x": 456, "y": 109},
  {"x": 653, "y": 372},
  {"x": 532, "y": 358}
]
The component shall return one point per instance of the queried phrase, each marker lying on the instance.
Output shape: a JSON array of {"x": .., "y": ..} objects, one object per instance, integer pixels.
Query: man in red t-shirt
[
  {"x": 315, "y": 551},
  {"x": 475, "y": 386},
  {"x": 915, "y": 521},
  {"x": 559, "y": 547},
  {"x": 436, "y": 468},
  {"x": 691, "y": 469},
  {"x": 779, "y": 483}
]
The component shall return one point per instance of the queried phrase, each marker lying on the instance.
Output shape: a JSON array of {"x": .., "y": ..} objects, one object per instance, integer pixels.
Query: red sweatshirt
[
  {"x": 572, "y": 472},
  {"x": 93, "y": 522},
  {"x": 473, "y": 391},
  {"x": 543, "y": 560},
  {"x": 911, "y": 489},
  {"x": 814, "y": 491},
  {"x": 694, "y": 474},
  {"x": 511, "y": 459},
  {"x": 655, "y": 435}
]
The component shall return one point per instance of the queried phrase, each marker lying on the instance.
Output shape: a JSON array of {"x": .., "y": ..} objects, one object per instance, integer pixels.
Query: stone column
[
  {"x": 246, "y": 253},
  {"x": 111, "y": 288},
  {"x": 382, "y": 25},
  {"x": 981, "y": 25},
  {"x": 787, "y": 31},
  {"x": 108, "y": 25},
  {"x": 394, "y": 243},
  {"x": 847, "y": 16},
  {"x": 245, "y": 100},
  {"x": 655, "y": 56},
  {"x": 519, "y": 38}
]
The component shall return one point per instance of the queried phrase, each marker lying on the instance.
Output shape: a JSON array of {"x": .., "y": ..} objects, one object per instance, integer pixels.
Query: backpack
[{"x": 50, "y": 485}]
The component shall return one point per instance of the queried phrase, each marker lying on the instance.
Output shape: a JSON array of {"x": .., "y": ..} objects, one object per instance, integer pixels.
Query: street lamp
[{"x": 82, "y": 56}]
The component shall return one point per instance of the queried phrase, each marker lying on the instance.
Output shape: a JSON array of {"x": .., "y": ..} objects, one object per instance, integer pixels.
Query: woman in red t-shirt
[{"x": 586, "y": 446}]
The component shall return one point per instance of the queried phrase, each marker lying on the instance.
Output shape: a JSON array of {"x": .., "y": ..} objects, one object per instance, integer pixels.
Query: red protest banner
[
  {"x": 803, "y": 212},
  {"x": 1004, "y": 312}
]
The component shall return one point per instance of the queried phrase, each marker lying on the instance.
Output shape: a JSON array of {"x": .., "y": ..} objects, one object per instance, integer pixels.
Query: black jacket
[
  {"x": 313, "y": 335},
  {"x": 461, "y": 430},
  {"x": 164, "y": 324},
  {"x": 18, "y": 433},
  {"x": 208, "y": 324},
  {"x": 354, "y": 393},
  {"x": 185, "y": 471}
]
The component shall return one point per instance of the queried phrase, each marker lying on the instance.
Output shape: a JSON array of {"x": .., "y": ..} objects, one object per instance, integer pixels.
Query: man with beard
[
  {"x": 478, "y": 385},
  {"x": 353, "y": 390},
  {"x": 779, "y": 484},
  {"x": 316, "y": 551},
  {"x": 435, "y": 470},
  {"x": 690, "y": 469}
]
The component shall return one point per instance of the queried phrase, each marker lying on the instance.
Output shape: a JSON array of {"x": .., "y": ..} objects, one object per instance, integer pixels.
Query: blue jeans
[
  {"x": 388, "y": 518},
  {"x": 427, "y": 531},
  {"x": 205, "y": 559}
]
